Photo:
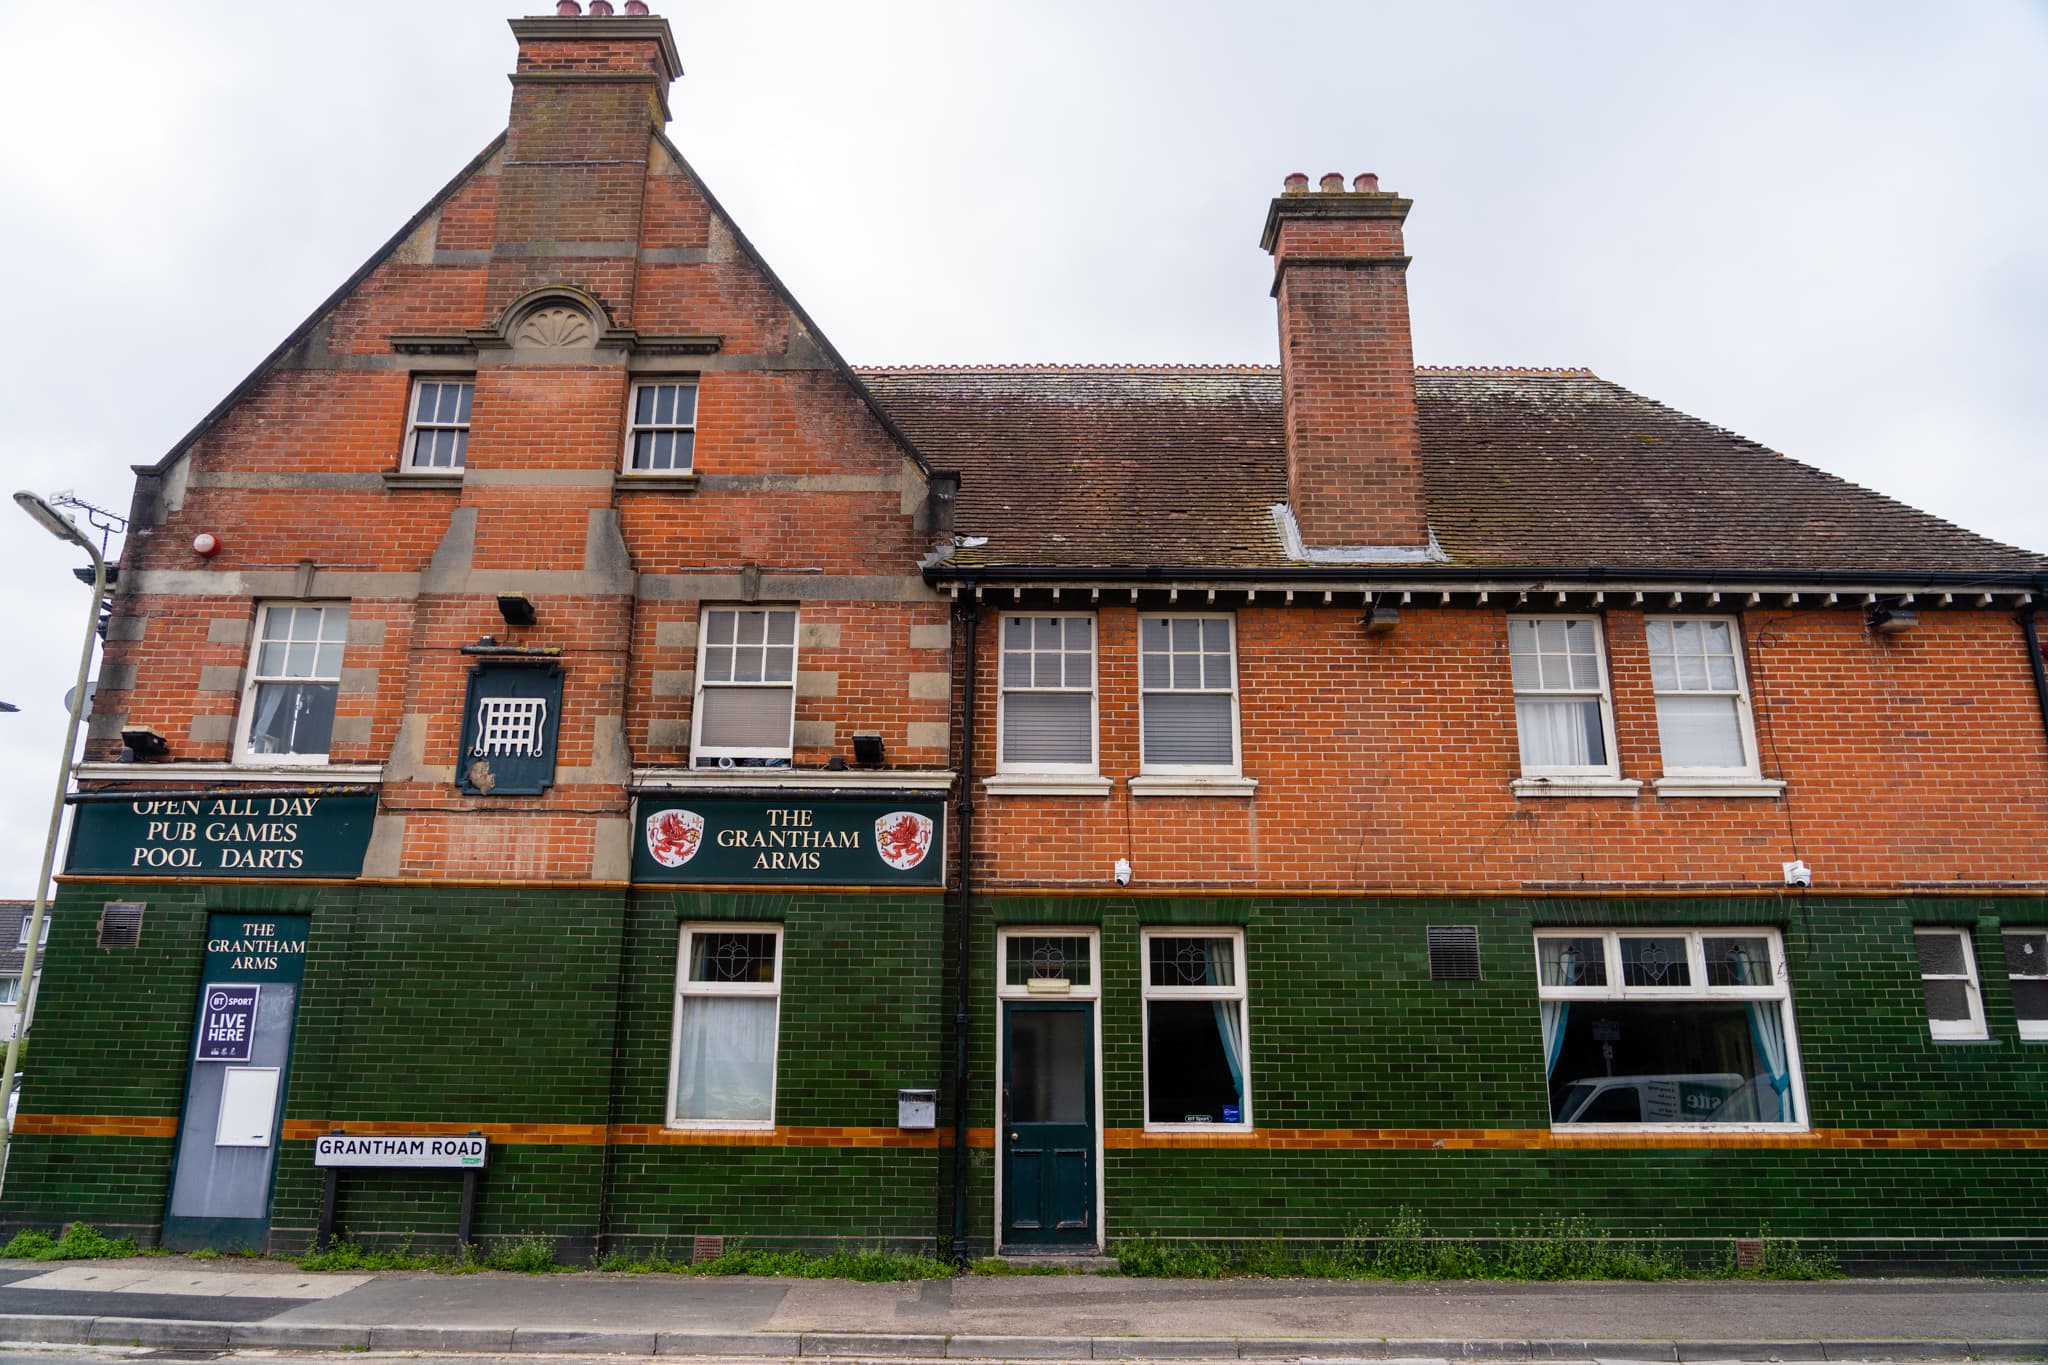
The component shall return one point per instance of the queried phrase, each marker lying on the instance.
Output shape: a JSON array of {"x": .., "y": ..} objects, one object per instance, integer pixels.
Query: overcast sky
[{"x": 1820, "y": 225}]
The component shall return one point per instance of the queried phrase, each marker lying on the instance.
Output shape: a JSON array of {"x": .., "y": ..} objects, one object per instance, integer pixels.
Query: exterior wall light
[
  {"x": 1893, "y": 620},
  {"x": 516, "y": 608},
  {"x": 1382, "y": 618},
  {"x": 145, "y": 743},
  {"x": 867, "y": 749}
]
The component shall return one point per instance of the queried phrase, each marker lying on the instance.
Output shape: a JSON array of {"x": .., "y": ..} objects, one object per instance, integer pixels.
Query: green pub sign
[
  {"x": 799, "y": 840},
  {"x": 222, "y": 834}
]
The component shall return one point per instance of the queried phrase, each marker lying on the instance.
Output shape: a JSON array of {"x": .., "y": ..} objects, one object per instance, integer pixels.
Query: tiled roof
[{"x": 1117, "y": 467}]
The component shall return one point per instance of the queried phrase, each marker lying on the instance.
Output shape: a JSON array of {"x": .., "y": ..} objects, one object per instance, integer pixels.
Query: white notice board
[{"x": 248, "y": 1106}]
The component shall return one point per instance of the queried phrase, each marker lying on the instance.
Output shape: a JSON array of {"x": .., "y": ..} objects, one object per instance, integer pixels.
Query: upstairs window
[
  {"x": 437, "y": 426},
  {"x": 1703, "y": 716},
  {"x": 2026, "y": 964},
  {"x": 1671, "y": 1026},
  {"x": 1047, "y": 713},
  {"x": 1948, "y": 978},
  {"x": 745, "y": 715},
  {"x": 294, "y": 678},
  {"x": 1187, "y": 681},
  {"x": 1562, "y": 711},
  {"x": 662, "y": 436},
  {"x": 42, "y": 939}
]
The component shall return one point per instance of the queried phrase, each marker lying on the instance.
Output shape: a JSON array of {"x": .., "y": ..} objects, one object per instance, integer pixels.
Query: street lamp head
[{"x": 55, "y": 522}]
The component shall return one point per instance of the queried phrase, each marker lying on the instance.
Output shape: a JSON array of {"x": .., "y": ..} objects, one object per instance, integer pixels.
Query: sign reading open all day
[
  {"x": 793, "y": 842},
  {"x": 231, "y": 835}
]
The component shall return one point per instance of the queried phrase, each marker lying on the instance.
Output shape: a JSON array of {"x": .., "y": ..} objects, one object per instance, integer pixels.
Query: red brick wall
[{"x": 1384, "y": 762}]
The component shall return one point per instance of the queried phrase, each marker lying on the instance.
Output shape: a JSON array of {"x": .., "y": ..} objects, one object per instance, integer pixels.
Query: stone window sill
[
  {"x": 1624, "y": 787},
  {"x": 730, "y": 779},
  {"x": 1718, "y": 786},
  {"x": 407, "y": 478},
  {"x": 656, "y": 483},
  {"x": 1045, "y": 784},
  {"x": 293, "y": 775},
  {"x": 1160, "y": 784}
]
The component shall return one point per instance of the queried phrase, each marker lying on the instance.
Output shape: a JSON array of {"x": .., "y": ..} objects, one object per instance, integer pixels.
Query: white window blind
[
  {"x": 1188, "y": 683},
  {"x": 746, "y": 687}
]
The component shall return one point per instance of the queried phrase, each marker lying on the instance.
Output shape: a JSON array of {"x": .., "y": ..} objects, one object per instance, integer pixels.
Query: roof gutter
[{"x": 1468, "y": 578}]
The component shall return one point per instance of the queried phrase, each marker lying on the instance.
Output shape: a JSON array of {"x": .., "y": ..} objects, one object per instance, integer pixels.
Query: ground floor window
[
  {"x": 1948, "y": 980},
  {"x": 2026, "y": 962},
  {"x": 1197, "y": 1057},
  {"x": 728, "y": 1004},
  {"x": 1663, "y": 1027}
]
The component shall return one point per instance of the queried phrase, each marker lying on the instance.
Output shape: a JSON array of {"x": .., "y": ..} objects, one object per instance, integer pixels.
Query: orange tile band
[{"x": 1115, "y": 1139}]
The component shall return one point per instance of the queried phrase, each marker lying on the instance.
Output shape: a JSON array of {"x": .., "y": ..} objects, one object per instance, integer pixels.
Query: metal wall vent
[
  {"x": 1453, "y": 952},
  {"x": 121, "y": 924}
]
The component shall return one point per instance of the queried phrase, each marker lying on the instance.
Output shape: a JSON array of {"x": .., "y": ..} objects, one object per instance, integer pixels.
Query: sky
[{"x": 1818, "y": 225}]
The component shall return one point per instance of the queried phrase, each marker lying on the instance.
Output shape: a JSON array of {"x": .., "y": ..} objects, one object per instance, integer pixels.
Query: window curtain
[
  {"x": 1554, "y": 1015},
  {"x": 725, "y": 1066},
  {"x": 1560, "y": 734},
  {"x": 1767, "y": 1026},
  {"x": 1229, "y": 1023}
]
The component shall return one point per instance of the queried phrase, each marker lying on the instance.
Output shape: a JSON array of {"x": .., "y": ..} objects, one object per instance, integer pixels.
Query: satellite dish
[{"x": 91, "y": 686}]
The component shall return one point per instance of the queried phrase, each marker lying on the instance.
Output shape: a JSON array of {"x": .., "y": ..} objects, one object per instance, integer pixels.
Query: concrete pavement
[{"x": 222, "y": 1305}]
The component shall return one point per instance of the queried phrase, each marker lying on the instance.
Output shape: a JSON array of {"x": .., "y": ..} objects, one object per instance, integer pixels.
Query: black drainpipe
[
  {"x": 968, "y": 614},
  {"x": 2031, "y": 628}
]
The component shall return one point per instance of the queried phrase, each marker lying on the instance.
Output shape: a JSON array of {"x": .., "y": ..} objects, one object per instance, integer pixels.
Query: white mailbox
[{"x": 917, "y": 1108}]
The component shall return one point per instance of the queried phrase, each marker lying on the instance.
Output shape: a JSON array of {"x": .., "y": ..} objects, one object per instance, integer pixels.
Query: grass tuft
[{"x": 79, "y": 1242}]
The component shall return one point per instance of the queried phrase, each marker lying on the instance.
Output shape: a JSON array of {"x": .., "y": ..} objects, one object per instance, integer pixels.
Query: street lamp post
[{"x": 64, "y": 529}]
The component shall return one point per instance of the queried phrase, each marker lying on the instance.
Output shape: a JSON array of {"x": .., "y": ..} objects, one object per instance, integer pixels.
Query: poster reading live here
[{"x": 800, "y": 841}]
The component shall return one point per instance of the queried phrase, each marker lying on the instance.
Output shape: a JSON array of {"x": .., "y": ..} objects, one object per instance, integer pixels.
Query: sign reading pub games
[
  {"x": 796, "y": 841},
  {"x": 222, "y": 834}
]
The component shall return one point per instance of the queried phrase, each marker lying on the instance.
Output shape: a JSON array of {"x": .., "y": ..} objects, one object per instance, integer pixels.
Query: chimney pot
[
  {"x": 601, "y": 8},
  {"x": 636, "y": 7},
  {"x": 1297, "y": 183},
  {"x": 567, "y": 9},
  {"x": 1367, "y": 183},
  {"x": 1333, "y": 183}
]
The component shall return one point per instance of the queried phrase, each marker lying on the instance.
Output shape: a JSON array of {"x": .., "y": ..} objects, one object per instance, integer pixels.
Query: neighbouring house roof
[{"x": 1178, "y": 467}]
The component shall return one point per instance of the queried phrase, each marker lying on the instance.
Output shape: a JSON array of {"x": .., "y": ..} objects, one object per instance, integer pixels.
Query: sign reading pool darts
[
  {"x": 800, "y": 841},
  {"x": 227, "y": 1023}
]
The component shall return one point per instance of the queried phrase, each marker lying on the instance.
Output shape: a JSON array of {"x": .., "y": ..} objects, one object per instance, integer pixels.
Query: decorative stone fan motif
[{"x": 556, "y": 326}]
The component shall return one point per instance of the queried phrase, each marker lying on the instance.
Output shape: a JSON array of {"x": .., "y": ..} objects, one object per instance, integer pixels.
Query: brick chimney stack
[
  {"x": 1354, "y": 462},
  {"x": 588, "y": 96}
]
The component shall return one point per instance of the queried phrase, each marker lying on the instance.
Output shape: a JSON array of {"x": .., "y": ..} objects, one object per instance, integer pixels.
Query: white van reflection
[{"x": 1698, "y": 1097}]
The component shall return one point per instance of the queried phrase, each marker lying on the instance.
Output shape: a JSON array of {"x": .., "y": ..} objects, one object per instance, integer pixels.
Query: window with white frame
[
  {"x": 1561, "y": 705},
  {"x": 2026, "y": 963},
  {"x": 745, "y": 713},
  {"x": 728, "y": 1014},
  {"x": 1197, "y": 1055},
  {"x": 662, "y": 435},
  {"x": 1187, "y": 683},
  {"x": 1656, "y": 1027},
  {"x": 42, "y": 939},
  {"x": 1703, "y": 717},
  {"x": 294, "y": 679},
  {"x": 1948, "y": 978},
  {"x": 437, "y": 424},
  {"x": 1047, "y": 712},
  {"x": 10, "y": 989}
]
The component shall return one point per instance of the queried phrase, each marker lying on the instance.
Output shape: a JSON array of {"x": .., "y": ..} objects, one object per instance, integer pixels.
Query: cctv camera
[
  {"x": 1797, "y": 873},
  {"x": 1123, "y": 871}
]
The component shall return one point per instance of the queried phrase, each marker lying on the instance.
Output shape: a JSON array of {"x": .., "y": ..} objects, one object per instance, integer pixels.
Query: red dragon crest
[{"x": 903, "y": 838}]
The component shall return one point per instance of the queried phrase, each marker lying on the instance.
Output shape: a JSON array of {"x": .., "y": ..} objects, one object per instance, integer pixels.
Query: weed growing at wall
[
  {"x": 1560, "y": 1249},
  {"x": 80, "y": 1242}
]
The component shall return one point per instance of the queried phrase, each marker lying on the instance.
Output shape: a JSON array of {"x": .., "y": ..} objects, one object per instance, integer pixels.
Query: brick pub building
[{"x": 555, "y": 697}]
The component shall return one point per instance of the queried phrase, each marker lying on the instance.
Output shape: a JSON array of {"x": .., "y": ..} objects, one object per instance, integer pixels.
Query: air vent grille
[
  {"x": 121, "y": 924},
  {"x": 1453, "y": 952}
]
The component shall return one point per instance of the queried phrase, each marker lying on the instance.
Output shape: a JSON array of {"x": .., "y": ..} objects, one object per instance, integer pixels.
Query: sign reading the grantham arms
[{"x": 797, "y": 841}]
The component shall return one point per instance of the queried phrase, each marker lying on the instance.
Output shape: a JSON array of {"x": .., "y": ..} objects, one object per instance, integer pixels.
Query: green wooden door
[{"x": 1048, "y": 1125}]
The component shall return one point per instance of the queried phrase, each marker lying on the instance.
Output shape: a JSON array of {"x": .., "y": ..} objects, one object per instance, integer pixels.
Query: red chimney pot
[
  {"x": 601, "y": 8},
  {"x": 636, "y": 7},
  {"x": 1367, "y": 183},
  {"x": 567, "y": 9},
  {"x": 1297, "y": 183},
  {"x": 1333, "y": 183}
]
